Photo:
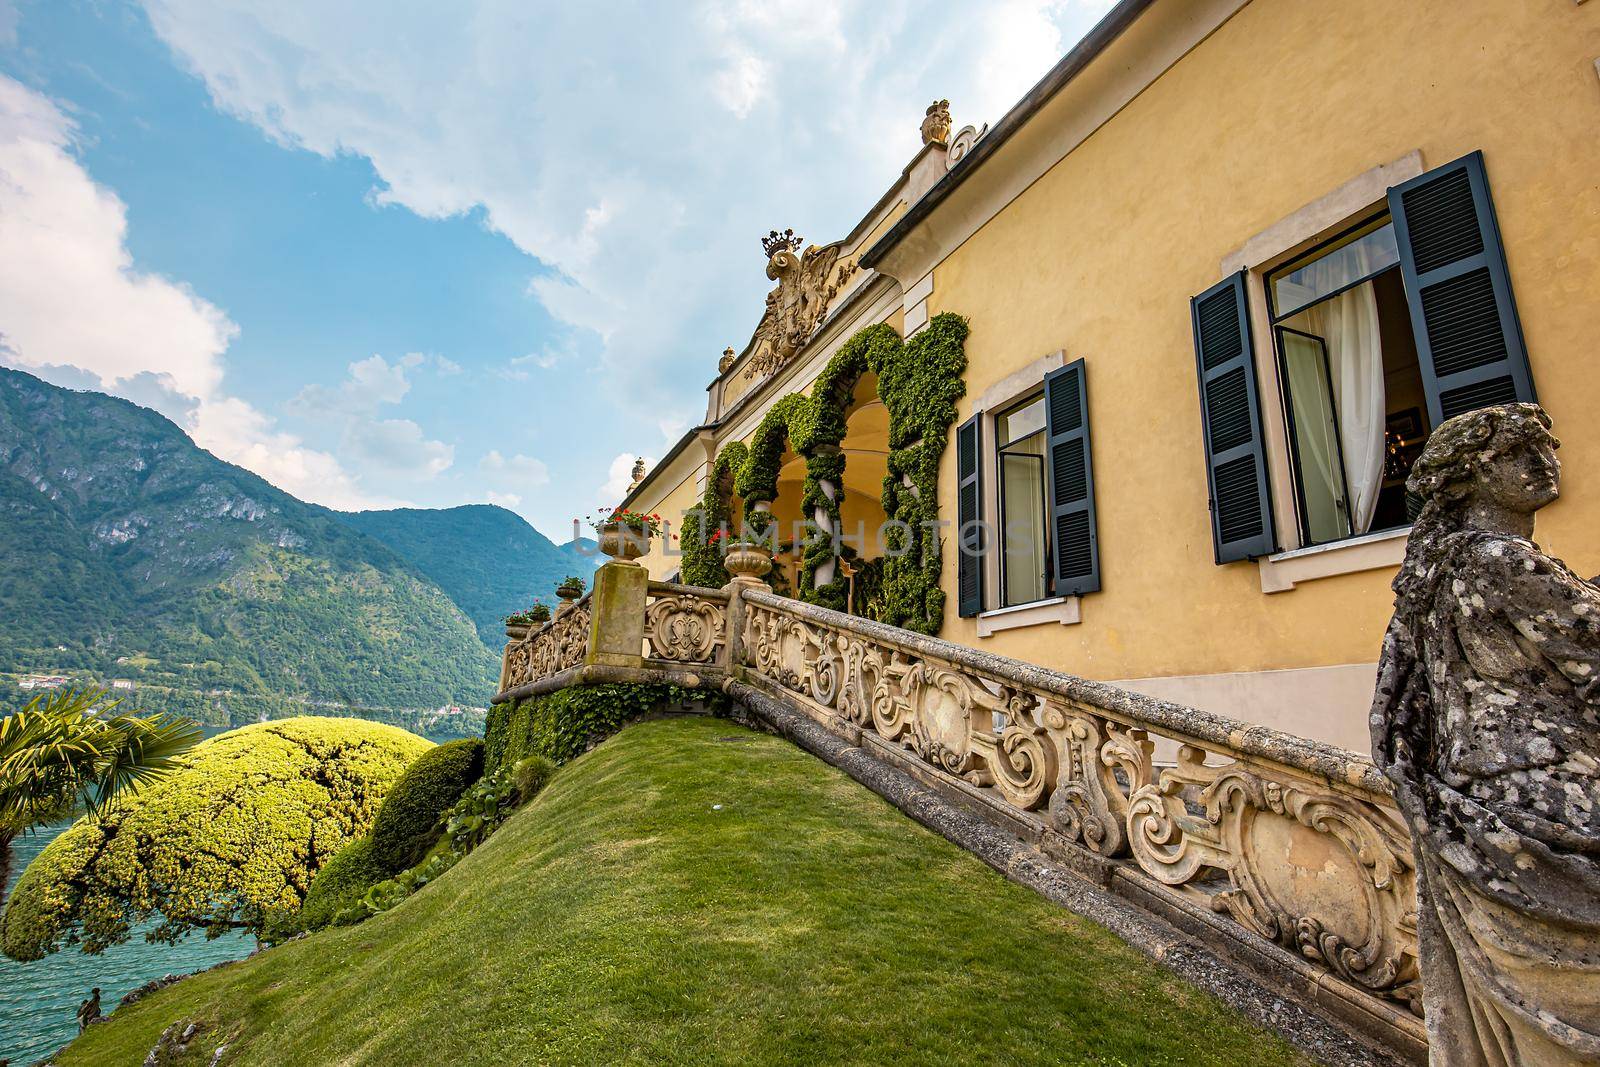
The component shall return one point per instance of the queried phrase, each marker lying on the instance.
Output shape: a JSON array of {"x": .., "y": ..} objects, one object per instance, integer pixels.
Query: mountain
[
  {"x": 128, "y": 552},
  {"x": 488, "y": 559}
]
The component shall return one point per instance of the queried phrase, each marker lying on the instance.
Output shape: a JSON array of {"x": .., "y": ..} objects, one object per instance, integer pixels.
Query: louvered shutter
[
  {"x": 1469, "y": 342},
  {"x": 1230, "y": 411},
  {"x": 1075, "y": 544},
  {"x": 969, "y": 519}
]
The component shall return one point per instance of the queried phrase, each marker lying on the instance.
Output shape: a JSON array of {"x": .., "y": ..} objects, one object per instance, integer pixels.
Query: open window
[
  {"x": 1019, "y": 435},
  {"x": 1400, "y": 322},
  {"x": 1353, "y": 396}
]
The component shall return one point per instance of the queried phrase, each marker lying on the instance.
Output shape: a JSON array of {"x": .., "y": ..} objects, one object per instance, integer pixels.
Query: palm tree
[{"x": 65, "y": 749}]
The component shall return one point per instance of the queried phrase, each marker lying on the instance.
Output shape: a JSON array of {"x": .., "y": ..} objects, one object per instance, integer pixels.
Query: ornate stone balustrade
[
  {"x": 684, "y": 624},
  {"x": 1287, "y": 849},
  {"x": 557, "y": 645},
  {"x": 1294, "y": 841}
]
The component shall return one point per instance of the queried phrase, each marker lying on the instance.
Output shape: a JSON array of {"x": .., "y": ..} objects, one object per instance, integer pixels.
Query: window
[
  {"x": 1025, "y": 509},
  {"x": 1020, "y": 461},
  {"x": 1380, "y": 335},
  {"x": 1353, "y": 397}
]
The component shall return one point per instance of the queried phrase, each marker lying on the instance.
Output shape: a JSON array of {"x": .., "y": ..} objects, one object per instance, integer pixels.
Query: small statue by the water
[
  {"x": 1487, "y": 719},
  {"x": 89, "y": 1010}
]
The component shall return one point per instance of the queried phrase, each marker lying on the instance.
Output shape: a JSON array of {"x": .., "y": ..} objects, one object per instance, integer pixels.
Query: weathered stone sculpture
[{"x": 1487, "y": 719}]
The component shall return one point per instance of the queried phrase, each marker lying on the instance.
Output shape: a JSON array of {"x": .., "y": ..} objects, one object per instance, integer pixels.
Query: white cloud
[
  {"x": 397, "y": 446},
  {"x": 639, "y": 164},
  {"x": 74, "y": 308},
  {"x": 618, "y": 477},
  {"x": 528, "y": 471}
]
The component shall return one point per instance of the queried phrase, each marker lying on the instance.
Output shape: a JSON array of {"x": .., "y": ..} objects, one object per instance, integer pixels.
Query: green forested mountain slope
[
  {"x": 127, "y": 552},
  {"x": 489, "y": 560}
]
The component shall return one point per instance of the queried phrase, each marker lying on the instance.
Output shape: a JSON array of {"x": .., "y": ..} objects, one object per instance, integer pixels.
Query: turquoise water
[{"x": 39, "y": 1001}]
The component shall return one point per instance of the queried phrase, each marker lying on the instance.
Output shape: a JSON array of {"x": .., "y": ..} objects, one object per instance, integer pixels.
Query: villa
[{"x": 1216, "y": 277}]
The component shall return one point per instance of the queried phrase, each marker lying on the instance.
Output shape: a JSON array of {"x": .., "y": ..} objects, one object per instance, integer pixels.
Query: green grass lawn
[{"x": 623, "y": 917}]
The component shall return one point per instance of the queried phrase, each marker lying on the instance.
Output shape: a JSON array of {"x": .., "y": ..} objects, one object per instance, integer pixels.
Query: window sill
[
  {"x": 1284, "y": 570},
  {"x": 1061, "y": 609}
]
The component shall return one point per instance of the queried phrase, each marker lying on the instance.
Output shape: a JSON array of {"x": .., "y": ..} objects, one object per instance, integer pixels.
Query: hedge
[
  {"x": 342, "y": 881},
  {"x": 567, "y": 723},
  {"x": 408, "y": 823}
]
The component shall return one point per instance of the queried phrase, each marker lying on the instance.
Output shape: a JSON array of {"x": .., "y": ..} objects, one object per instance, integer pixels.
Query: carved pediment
[{"x": 806, "y": 283}]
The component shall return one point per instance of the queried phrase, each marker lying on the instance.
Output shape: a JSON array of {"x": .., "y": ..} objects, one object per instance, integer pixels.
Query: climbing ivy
[
  {"x": 702, "y": 561},
  {"x": 919, "y": 382}
]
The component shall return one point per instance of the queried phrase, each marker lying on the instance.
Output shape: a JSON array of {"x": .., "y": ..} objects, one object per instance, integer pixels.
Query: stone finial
[
  {"x": 1487, "y": 720},
  {"x": 936, "y": 123},
  {"x": 728, "y": 356},
  {"x": 638, "y": 472}
]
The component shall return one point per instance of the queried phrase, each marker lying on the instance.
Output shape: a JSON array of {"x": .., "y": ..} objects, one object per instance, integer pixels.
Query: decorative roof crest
[{"x": 775, "y": 242}]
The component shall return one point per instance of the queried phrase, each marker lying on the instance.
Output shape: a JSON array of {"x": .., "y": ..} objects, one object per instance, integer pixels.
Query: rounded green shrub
[
  {"x": 227, "y": 842},
  {"x": 529, "y": 776},
  {"x": 342, "y": 881},
  {"x": 408, "y": 823}
]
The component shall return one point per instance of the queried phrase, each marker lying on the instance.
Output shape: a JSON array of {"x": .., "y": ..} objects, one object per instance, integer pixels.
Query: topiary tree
[
  {"x": 408, "y": 823},
  {"x": 234, "y": 837}
]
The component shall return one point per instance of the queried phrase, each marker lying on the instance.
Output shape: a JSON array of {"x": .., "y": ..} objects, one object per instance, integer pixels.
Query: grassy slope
[{"x": 620, "y": 918}]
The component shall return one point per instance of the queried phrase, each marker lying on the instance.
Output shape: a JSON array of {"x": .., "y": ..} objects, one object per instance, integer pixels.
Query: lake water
[{"x": 39, "y": 1001}]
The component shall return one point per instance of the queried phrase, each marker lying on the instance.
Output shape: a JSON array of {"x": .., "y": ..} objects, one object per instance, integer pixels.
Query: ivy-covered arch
[
  {"x": 919, "y": 383},
  {"x": 702, "y": 561}
]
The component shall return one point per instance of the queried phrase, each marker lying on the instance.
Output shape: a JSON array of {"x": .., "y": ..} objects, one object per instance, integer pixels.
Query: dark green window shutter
[
  {"x": 1230, "y": 412},
  {"x": 970, "y": 541},
  {"x": 1075, "y": 545},
  {"x": 1469, "y": 341}
]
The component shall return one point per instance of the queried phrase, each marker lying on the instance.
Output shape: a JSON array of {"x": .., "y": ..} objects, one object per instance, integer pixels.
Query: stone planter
[
  {"x": 516, "y": 632},
  {"x": 747, "y": 562},
  {"x": 623, "y": 544}
]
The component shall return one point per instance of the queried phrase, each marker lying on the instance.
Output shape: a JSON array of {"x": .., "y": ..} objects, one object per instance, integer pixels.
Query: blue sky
[{"x": 432, "y": 254}]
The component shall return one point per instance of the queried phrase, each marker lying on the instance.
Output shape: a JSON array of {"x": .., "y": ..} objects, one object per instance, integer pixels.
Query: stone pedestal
[{"x": 616, "y": 615}]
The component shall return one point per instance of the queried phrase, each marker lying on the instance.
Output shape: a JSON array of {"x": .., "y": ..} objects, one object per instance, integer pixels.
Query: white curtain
[
  {"x": 1355, "y": 361},
  {"x": 1349, "y": 323}
]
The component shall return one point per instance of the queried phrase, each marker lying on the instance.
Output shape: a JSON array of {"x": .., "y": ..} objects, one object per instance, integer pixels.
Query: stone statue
[
  {"x": 638, "y": 471},
  {"x": 936, "y": 123},
  {"x": 89, "y": 1010},
  {"x": 1487, "y": 719}
]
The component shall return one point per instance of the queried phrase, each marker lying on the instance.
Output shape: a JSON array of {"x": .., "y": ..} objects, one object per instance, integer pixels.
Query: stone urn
[
  {"x": 516, "y": 631},
  {"x": 570, "y": 595},
  {"x": 747, "y": 561},
  {"x": 622, "y": 543}
]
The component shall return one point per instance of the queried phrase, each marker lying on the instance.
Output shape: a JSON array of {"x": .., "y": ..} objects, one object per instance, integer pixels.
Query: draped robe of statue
[{"x": 1487, "y": 719}]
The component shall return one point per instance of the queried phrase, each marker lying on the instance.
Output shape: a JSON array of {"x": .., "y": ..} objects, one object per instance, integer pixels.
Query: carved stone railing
[
  {"x": 1287, "y": 848},
  {"x": 685, "y": 624},
  {"x": 557, "y": 645},
  {"x": 1294, "y": 841}
]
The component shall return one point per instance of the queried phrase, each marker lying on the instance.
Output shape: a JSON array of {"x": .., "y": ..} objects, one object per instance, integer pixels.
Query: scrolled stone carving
[
  {"x": 683, "y": 628},
  {"x": 1285, "y": 855},
  {"x": 962, "y": 143},
  {"x": 806, "y": 283},
  {"x": 1487, "y": 720},
  {"x": 552, "y": 648}
]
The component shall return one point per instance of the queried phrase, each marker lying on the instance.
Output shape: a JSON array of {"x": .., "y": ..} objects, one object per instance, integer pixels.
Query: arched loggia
[{"x": 916, "y": 385}]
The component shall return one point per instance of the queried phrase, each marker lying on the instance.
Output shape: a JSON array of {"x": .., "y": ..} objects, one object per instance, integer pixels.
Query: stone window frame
[
  {"x": 1292, "y": 236},
  {"x": 1000, "y": 396}
]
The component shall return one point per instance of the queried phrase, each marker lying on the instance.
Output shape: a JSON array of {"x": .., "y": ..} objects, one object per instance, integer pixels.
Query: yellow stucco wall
[
  {"x": 1282, "y": 104},
  {"x": 663, "y": 560}
]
